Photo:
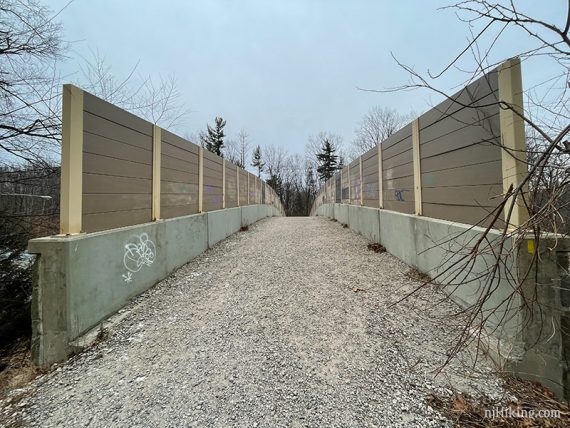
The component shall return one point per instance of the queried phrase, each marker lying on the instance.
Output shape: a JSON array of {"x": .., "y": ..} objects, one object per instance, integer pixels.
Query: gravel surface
[{"x": 265, "y": 330}]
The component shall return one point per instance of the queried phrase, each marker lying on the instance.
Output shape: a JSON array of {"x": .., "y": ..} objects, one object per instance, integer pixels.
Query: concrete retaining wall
[
  {"x": 434, "y": 246},
  {"x": 80, "y": 280}
]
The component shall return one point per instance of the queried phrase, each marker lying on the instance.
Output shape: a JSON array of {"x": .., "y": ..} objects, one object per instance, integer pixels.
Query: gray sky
[{"x": 283, "y": 70}]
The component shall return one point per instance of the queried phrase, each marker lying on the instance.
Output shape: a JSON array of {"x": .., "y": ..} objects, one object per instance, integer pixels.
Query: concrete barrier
[
  {"x": 528, "y": 342},
  {"x": 82, "y": 279}
]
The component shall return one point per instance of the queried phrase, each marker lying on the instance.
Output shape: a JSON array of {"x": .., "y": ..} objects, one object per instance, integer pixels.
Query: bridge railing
[
  {"x": 453, "y": 163},
  {"x": 120, "y": 170}
]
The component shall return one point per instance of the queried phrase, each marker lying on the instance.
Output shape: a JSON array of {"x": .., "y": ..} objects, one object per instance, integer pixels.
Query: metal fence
[
  {"x": 454, "y": 162},
  {"x": 120, "y": 170}
]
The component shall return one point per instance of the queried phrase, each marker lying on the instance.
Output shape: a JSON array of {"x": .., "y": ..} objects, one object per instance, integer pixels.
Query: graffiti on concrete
[{"x": 140, "y": 253}]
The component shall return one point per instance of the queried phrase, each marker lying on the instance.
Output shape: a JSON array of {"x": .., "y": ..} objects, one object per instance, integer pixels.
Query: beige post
[
  {"x": 512, "y": 136},
  {"x": 200, "y": 179},
  {"x": 248, "y": 188},
  {"x": 237, "y": 184},
  {"x": 71, "y": 161},
  {"x": 417, "y": 166},
  {"x": 361, "y": 184},
  {"x": 349, "y": 192},
  {"x": 341, "y": 201},
  {"x": 223, "y": 183},
  {"x": 380, "y": 179},
  {"x": 156, "y": 157}
]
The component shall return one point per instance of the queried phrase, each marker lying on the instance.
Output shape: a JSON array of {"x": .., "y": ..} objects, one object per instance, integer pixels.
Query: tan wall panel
[
  {"x": 95, "y": 125},
  {"x": 488, "y": 173},
  {"x": 104, "y": 221},
  {"x": 184, "y": 189},
  {"x": 94, "y": 183},
  {"x": 179, "y": 142},
  {"x": 172, "y": 175},
  {"x": 101, "y": 202},
  {"x": 179, "y": 164},
  {"x": 463, "y": 137},
  {"x": 98, "y": 145},
  {"x": 484, "y": 195},
  {"x": 178, "y": 211},
  {"x": 96, "y": 164},
  {"x": 108, "y": 111},
  {"x": 397, "y": 138},
  {"x": 211, "y": 157},
  {"x": 405, "y": 207},
  {"x": 173, "y": 152},
  {"x": 474, "y": 94},
  {"x": 461, "y": 214},
  {"x": 471, "y": 155}
]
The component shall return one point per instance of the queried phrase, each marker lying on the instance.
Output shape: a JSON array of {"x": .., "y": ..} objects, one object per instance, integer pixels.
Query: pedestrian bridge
[{"x": 224, "y": 309}]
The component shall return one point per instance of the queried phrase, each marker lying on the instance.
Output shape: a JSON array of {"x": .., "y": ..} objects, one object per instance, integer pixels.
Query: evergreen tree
[
  {"x": 256, "y": 161},
  {"x": 276, "y": 184},
  {"x": 213, "y": 140},
  {"x": 328, "y": 161}
]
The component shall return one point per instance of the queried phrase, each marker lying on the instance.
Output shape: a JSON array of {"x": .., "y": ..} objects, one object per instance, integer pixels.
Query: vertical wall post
[
  {"x": 512, "y": 136},
  {"x": 71, "y": 161},
  {"x": 361, "y": 184},
  {"x": 248, "y": 188},
  {"x": 349, "y": 192},
  {"x": 237, "y": 185},
  {"x": 156, "y": 158},
  {"x": 417, "y": 166},
  {"x": 223, "y": 183},
  {"x": 341, "y": 186},
  {"x": 380, "y": 178},
  {"x": 200, "y": 179}
]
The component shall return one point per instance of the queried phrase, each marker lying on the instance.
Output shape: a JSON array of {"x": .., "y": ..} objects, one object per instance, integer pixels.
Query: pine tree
[
  {"x": 328, "y": 161},
  {"x": 214, "y": 139},
  {"x": 256, "y": 161}
]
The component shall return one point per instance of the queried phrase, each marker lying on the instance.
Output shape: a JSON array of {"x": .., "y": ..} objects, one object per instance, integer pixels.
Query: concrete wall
[
  {"x": 80, "y": 280},
  {"x": 519, "y": 340}
]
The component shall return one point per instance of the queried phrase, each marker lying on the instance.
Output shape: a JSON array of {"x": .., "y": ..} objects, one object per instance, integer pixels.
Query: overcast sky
[{"x": 282, "y": 69}]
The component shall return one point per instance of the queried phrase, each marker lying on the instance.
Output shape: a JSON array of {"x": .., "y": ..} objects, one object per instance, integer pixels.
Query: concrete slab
[
  {"x": 365, "y": 221},
  {"x": 223, "y": 223}
]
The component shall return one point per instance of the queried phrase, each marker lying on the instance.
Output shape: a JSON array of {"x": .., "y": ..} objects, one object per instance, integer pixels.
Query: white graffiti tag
[{"x": 137, "y": 255}]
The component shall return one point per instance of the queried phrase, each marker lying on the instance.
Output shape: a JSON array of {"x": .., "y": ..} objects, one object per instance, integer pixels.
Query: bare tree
[
  {"x": 157, "y": 100},
  {"x": 376, "y": 126},
  {"x": 244, "y": 147},
  {"x": 30, "y": 46}
]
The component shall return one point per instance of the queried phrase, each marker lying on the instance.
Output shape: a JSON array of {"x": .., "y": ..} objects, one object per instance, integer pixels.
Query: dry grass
[
  {"x": 418, "y": 276},
  {"x": 16, "y": 366},
  {"x": 377, "y": 248},
  {"x": 244, "y": 229},
  {"x": 466, "y": 411}
]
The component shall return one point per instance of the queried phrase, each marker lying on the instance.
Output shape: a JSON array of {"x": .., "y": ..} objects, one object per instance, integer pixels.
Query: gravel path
[{"x": 264, "y": 330}]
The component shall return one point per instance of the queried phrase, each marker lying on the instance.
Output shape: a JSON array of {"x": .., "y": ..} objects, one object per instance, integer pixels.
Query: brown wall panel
[
  {"x": 462, "y": 214},
  {"x": 97, "y": 164},
  {"x": 111, "y": 202},
  {"x": 488, "y": 173},
  {"x": 483, "y": 195},
  {"x": 95, "y": 183},
  {"x": 178, "y": 210},
  {"x": 231, "y": 185},
  {"x": 104, "y": 221},
  {"x": 95, "y": 125},
  {"x": 103, "y": 146},
  {"x": 466, "y": 156},
  {"x": 103, "y": 109}
]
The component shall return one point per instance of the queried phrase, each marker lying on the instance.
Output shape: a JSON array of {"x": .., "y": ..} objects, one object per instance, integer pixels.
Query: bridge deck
[{"x": 265, "y": 329}]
